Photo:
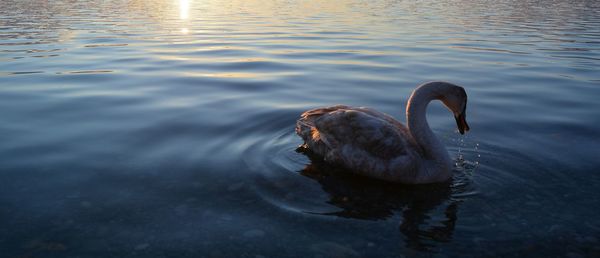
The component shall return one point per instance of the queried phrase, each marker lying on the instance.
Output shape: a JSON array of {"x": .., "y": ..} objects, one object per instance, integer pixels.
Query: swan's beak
[{"x": 461, "y": 122}]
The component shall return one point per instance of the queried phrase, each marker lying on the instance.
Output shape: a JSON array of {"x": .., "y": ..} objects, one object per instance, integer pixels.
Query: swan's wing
[
  {"x": 371, "y": 131},
  {"x": 330, "y": 128}
]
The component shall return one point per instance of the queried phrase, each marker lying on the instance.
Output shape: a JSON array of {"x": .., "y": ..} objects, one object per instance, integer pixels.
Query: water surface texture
[{"x": 164, "y": 128}]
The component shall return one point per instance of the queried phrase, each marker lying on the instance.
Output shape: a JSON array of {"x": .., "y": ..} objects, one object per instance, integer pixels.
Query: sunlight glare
[{"x": 184, "y": 9}]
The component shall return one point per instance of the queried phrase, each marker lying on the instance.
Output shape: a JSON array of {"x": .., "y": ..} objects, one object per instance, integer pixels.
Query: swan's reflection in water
[{"x": 368, "y": 199}]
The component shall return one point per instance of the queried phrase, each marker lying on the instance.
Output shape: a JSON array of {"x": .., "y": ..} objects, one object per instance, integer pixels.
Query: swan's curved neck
[{"x": 435, "y": 154}]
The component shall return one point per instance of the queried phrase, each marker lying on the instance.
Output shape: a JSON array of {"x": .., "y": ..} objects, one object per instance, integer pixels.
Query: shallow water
[{"x": 165, "y": 128}]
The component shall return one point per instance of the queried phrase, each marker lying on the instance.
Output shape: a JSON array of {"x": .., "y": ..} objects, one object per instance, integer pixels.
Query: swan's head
[{"x": 455, "y": 98}]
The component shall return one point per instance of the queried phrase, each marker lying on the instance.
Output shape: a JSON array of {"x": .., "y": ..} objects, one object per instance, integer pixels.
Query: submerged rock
[
  {"x": 141, "y": 246},
  {"x": 333, "y": 250},
  {"x": 235, "y": 187},
  {"x": 254, "y": 233}
]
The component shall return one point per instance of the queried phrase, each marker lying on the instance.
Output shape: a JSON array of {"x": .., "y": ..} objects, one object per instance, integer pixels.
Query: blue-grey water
[{"x": 164, "y": 128}]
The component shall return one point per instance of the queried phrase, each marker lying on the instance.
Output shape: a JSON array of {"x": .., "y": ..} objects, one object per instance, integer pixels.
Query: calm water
[{"x": 165, "y": 128}]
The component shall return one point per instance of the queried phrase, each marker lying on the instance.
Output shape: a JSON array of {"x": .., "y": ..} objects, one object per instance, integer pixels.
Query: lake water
[{"x": 166, "y": 128}]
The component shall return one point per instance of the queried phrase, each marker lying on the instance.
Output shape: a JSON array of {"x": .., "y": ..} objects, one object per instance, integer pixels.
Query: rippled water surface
[{"x": 165, "y": 128}]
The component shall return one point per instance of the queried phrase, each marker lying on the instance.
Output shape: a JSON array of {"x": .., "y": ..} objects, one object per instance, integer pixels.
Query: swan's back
[{"x": 366, "y": 141}]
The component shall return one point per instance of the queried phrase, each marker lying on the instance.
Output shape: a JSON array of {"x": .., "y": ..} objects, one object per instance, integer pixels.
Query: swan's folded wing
[
  {"x": 317, "y": 112},
  {"x": 366, "y": 130}
]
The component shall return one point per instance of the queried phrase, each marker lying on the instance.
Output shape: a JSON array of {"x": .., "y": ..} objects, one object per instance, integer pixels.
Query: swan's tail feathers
[
  {"x": 306, "y": 128},
  {"x": 314, "y": 141},
  {"x": 303, "y": 128}
]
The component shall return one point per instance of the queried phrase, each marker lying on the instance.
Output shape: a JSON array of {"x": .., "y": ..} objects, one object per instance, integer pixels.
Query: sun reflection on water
[{"x": 184, "y": 9}]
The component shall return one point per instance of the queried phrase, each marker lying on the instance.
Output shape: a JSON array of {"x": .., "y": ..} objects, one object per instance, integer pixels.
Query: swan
[{"x": 374, "y": 144}]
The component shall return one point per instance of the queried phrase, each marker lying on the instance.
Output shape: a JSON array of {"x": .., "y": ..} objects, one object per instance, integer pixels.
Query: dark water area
[{"x": 166, "y": 128}]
